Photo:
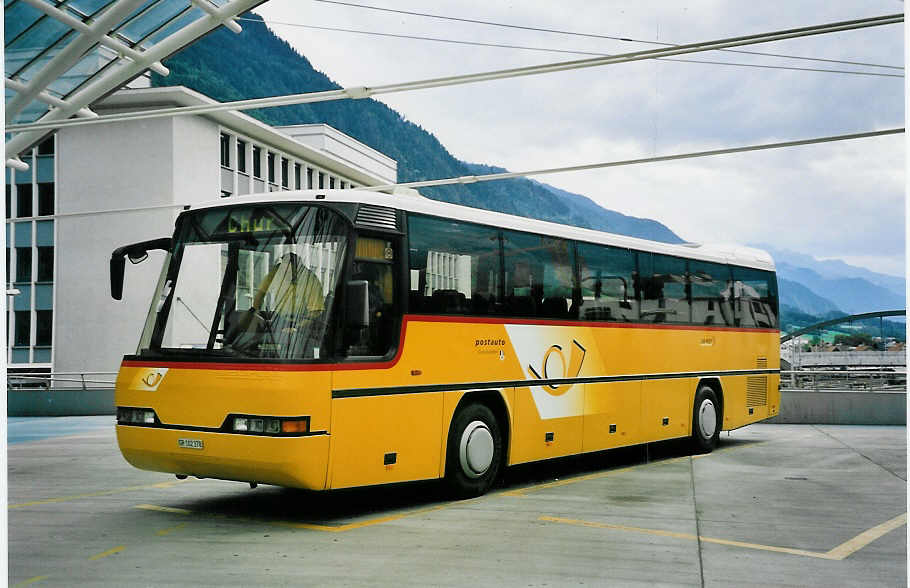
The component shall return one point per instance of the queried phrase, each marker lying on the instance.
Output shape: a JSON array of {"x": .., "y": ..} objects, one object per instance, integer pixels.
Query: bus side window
[
  {"x": 607, "y": 283},
  {"x": 453, "y": 267},
  {"x": 539, "y": 276},
  {"x": 664, "y": 288},
  {"x": 712, "y": 293},
  {"x": 372, "y": 279},
  {"x": 755, "y": 294}
]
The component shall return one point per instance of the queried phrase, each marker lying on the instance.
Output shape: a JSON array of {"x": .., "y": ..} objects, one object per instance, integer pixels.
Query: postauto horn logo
[
  {"x": 576, "y": 358},
  {"x": 149, "y": 379}
]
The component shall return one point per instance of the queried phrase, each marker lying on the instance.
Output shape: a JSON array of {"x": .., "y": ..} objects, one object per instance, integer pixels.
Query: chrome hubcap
[
  {"x": 707, "y": 419},
  {"x": 476, "y": 449}
]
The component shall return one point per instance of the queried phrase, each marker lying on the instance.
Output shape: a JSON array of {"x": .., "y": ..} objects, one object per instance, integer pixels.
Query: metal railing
[
  {"x": 844, "y": 380},
  {"x": 60, "y": 380}
]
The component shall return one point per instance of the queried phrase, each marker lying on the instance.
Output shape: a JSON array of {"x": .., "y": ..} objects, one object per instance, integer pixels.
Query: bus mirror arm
[{"x": 136, "y": 252}]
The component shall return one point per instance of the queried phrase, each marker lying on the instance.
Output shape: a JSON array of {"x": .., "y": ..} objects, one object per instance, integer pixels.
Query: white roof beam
[
  {"x": 73, "y": 52},
  {"x": 98, "y": 33},
  {"x": 119, "y": 76},
  {"x": 47, "y": 98},
  {"x": 207, "y": 6}
]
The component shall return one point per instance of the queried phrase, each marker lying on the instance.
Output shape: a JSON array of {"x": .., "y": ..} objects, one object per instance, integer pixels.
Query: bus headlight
[
  {"x": 135, "y": 416},
  {"x": 263, "y": 425}
]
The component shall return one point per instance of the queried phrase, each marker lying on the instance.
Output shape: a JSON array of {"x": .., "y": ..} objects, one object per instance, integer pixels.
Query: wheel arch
[
  {"x": 492, "y": 399},
  {"x": 714, "y": 384}
]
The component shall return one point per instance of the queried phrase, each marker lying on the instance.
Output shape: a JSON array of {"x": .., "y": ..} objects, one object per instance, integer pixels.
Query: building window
[
  {"x": 257, "y": 162},
  {"x": 9, "y": 199},
  {"x": 331, "y": 183},
  {"x": 22, "y": 336},
  {"x": 23, "y": 200},
  {"x": 321, "y": 181},
  {"x": 284, "y": 172},
  {"x": 343, "y": 185},
  {"x": 46, "y": 147},
  {"x": 297, "y": 170},
  {"x": 45, "y": 264},
  {"x": 225, "y": 150},
  {"x": 309, "y": 179},
  {"x": 44, "y": 323},
  {"x": 271, "y": 167},
  {"x": 241, "y": 156},
  {"x": 23, "y": 264},
  {"x": 45, "y": 198}
]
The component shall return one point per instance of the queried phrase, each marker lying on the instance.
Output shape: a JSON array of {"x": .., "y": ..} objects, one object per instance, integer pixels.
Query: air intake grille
[
  {"x": 761, "y": 362},
  {"x": 379, "y": 217},
  {"x": 756, "y": 391}
]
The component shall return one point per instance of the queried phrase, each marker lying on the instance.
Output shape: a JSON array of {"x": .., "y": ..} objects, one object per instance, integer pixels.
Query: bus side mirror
[
  {"x": 137, "y": 252},
  {"x": 117, "y": 267},
  {"x": 357, "y": 304}
]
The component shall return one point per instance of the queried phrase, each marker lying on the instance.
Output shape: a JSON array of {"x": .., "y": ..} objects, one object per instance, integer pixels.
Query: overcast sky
[{"x": 842, "y": 200}]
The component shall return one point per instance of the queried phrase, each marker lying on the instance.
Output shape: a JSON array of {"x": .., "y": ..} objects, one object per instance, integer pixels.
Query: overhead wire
[
  {"x": 589, "y": 35},
  {"x": 539, "y": 172},
  {"x": 607, "y": 164},
  {"x": 360, "y": 92},
  {"x": 564, "y": 51}
]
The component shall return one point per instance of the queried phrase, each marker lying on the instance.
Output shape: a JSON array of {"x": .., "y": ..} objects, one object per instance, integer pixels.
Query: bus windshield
[{"x": 253, "y": 281}]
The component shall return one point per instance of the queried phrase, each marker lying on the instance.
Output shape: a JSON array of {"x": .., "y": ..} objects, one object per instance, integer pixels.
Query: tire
[
  {"x": 707, "y": 419},
  {"x": 474, "y": 451}
]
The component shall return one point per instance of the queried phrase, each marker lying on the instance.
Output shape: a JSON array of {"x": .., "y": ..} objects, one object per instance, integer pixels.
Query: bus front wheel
[
  {"x": 474, "y": 451},
  {"x": 707, "y": 419}
]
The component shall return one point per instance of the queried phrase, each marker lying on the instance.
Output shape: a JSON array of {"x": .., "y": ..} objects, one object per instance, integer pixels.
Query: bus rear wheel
[
  {"x": 707, "y": 419},
  {"x": 474, "y": 451}
]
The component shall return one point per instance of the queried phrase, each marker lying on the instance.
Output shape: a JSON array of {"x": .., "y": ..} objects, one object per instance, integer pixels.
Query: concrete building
[{"x": 91, "y": 189}]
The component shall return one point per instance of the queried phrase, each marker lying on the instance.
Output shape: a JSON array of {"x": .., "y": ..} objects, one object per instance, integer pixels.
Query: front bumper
[{"x": 298, "y": 462}]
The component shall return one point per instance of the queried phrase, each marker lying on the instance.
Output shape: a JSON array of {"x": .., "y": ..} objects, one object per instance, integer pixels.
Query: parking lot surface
[{"x": 780, "y": 505}]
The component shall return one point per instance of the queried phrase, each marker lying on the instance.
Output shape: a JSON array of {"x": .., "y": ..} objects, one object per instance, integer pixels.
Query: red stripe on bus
[
  {"x": 577, "y": 323},
  {"x": 320, "y": 367}
]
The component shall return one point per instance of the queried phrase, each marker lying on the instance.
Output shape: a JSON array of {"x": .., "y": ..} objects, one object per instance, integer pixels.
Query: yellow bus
[{"x": 341, "y": 338}]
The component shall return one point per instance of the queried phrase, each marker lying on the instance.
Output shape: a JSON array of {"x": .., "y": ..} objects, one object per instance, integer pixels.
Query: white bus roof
[{"x": 411, "y": 201}]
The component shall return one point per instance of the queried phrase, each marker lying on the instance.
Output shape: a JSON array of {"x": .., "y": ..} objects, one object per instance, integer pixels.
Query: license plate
[{"x": 190, "y": 443}]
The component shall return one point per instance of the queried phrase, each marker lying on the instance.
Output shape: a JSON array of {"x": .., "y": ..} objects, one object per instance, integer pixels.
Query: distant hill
[
  {"x": 801, "y": 299},
  {"x": 257, "y": 63},
  {"x": 835, "y": 268},
  {"x": 851, "y": 295}
]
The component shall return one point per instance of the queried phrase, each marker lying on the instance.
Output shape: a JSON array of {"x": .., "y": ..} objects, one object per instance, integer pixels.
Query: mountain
[
  {"x": 835, "y": 268},
  {"x": 585, "y": 209},
  {"x": 257, "y": 63},
  {"x": 851, "y": 295},
  {"x": 801, "y": 299}
]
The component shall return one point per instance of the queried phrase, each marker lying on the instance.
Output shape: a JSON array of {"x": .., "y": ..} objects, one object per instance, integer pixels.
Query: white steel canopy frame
[{"x": 63, "y": 55}]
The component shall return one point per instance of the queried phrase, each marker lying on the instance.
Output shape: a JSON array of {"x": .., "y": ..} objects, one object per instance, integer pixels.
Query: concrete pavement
[{"x": 783, "y": 505}]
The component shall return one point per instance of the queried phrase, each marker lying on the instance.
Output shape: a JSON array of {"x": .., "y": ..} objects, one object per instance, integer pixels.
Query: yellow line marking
[
  {"x": 30, "y": 581},
  {"x": 117, "y": 549},
  {"x": 847, "y": 548},
  {"x": 169, "y": 509},
  {"x": 99, "y": 493},
  {"x": 308, "y": 526},
  {"x": 163, "y": 532},
  {"x": 838, "y": 553}
]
